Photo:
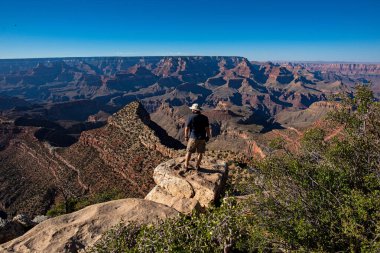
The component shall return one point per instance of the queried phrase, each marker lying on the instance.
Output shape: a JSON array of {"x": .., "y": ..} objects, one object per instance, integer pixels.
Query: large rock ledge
[
  {"x": 188, "y": 190},
  {"x": 176, "y": 191},
  {"x": 78, "y": 230}
]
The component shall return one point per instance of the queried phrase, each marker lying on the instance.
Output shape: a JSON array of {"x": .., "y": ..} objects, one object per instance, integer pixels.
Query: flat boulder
[
  {"x": 76, "y": 231},
  {"x": 188, "y": 190}
]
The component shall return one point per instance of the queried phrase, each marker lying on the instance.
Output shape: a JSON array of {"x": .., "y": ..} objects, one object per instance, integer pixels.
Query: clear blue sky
[{"x": 329, "y": 30}]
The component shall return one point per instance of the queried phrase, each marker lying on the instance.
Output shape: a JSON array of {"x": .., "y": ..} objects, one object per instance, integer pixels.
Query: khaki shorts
[{"x": 198, "y": 146}]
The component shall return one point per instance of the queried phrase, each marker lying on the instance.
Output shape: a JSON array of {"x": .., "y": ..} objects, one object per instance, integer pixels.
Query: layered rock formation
[
  {"x": 190, "y": 190},
  {"x": 305, "y": 118},
  {"x": 350, "y": 69},
  {"x": 81, "y": 89},
  {"x": 113, "y": 80},
  {"x": 348, "y": 73},
  {"x": 79, "y": 230}
]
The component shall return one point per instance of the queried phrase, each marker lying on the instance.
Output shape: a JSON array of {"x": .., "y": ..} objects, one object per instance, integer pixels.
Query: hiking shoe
[{"x": 184, "y": 168}]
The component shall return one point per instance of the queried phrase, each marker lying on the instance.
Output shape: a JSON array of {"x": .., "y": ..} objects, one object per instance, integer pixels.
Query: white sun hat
[{"x": 195, "y": 107}]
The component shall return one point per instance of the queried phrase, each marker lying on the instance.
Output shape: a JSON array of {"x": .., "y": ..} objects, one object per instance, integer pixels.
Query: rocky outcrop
[
  {"x": 189, "y": 190},
  {"x": 76, "y": 231}
]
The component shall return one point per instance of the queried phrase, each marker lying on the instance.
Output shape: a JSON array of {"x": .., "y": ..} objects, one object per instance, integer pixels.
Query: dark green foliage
[{"x": 325, "y": 198}]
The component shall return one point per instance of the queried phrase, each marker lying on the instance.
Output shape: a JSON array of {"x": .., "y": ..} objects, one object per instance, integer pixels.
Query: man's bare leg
[
  {"x": 187, "y": 159},
  {"x": 200, "y": 155}
]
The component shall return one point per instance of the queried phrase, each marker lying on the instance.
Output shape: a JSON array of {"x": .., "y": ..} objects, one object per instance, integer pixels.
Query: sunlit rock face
[{"x": 186, "y": 190}]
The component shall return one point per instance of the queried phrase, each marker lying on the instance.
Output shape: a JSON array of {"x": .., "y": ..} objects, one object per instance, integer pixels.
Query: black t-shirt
[{"x": 197, "y": 124}]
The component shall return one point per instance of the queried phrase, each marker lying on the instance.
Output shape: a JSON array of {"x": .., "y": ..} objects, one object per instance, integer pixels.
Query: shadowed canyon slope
[{"x": 120, "y": 155}]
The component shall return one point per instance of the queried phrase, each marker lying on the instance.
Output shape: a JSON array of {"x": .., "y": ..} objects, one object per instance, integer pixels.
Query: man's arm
[
  {"x": 187, "y": 128},
  {"x": 187, "y": 133},
  {"x": 208, "y": 132}
]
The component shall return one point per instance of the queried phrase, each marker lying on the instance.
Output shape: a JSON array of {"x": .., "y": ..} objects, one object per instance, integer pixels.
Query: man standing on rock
[{"x": 197, "y": 133}]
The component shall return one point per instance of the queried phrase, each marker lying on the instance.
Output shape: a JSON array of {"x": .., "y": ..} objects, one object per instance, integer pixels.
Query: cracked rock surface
[{"x": 188, "y": 190}]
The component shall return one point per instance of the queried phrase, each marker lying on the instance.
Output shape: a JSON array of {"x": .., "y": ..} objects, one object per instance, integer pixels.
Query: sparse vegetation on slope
[
  {"x": 326, "y": 198},
  {"x": 74, "y": 204}
]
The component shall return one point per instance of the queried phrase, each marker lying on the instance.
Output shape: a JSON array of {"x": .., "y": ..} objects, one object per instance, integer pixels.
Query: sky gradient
[{"x": 276, "y": 30}]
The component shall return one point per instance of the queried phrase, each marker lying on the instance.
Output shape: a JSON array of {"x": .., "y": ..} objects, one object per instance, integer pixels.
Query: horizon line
[{"x": 151, "y": 56}]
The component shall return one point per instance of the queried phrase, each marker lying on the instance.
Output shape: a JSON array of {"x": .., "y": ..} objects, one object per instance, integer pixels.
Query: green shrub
[{"x": 327, "y": 197}]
